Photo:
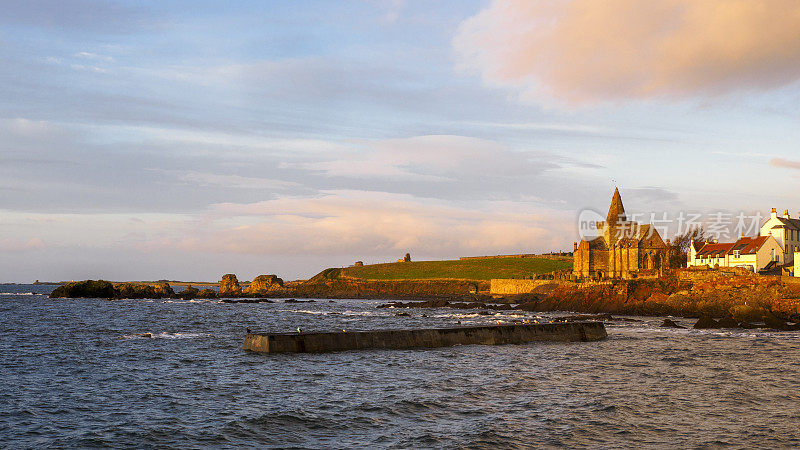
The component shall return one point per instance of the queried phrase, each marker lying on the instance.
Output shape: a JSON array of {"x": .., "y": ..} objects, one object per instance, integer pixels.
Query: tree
[{"x": 679, "y": 246}]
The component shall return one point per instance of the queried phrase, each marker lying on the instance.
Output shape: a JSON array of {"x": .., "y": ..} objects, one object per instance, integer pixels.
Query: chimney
[
  {"x": 773, "y": 214},
  {"x": 574, "y": 246},
  {"x": 786, "y": 213}
]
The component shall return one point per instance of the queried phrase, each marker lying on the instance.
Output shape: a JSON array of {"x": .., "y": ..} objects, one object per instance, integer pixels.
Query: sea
[{"x": 171, "y": 373}]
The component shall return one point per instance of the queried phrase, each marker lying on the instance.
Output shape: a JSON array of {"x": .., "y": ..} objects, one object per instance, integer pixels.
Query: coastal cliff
[{"x": 713, "y": 294}]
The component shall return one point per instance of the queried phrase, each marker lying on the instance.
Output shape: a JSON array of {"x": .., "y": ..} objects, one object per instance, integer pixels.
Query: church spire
[{"x": 616, "y": 212}]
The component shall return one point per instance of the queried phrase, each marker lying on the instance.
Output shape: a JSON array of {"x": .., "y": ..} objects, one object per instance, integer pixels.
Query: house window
[{"x": 736, "y": 254}]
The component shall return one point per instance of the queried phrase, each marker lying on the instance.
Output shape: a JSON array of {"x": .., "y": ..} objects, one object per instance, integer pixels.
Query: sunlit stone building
[{"x": 623, "y": 248}]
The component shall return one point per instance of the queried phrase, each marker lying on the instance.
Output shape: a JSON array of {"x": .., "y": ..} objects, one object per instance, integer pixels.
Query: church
[{"x": 622, "y": 249}]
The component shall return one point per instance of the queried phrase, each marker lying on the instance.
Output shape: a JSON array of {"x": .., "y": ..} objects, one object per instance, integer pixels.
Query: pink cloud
[
  {"x": 780, "y": 162},
  {"x": 369, "y": 223},
  {"x": 587, "y": 51},
  {"x": 19, "y": 245}
]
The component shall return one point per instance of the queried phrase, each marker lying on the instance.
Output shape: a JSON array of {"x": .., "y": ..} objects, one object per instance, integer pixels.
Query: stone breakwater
[{"x": 423, "y": 338}]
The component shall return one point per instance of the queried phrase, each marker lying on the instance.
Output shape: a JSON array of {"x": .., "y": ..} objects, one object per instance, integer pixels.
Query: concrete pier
[{"x": 431, "y": 337}]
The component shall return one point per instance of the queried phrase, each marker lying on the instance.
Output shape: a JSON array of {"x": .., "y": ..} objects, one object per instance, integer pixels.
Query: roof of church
[{"x": 616, "y": 212}]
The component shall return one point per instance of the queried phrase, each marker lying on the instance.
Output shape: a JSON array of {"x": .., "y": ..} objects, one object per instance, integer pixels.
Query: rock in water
[
  {"x": 163, "y": 290},
  {"x": 667, "y": 323},
  {"x": 189, "y": 293},
  {"x": 229, "y": 286},
  {"x": 263, "y": 284},
  {"x": 207, "y": 294},
  {"x": 85, "y": 289},
  {"x": 728, "y": 322},
  {"x": 747, "y": 313},
  {"x": 135, "y": 290},
  {"x": 775, "y": 323},
  {"x": 706, "y": 322}
]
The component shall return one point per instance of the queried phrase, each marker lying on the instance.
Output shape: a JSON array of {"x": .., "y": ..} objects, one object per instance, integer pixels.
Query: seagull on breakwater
[{"x": 247, "y": 330}]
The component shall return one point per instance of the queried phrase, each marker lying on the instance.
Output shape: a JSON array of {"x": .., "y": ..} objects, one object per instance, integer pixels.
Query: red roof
[
  {"x": 715, "y": 250},
  {"x": 750, "y": 245},
  {"x": 745, "y": 246}
]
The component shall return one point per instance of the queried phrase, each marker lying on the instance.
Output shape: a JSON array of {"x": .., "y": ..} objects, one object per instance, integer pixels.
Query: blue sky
[{"x": 184, "y": 140}]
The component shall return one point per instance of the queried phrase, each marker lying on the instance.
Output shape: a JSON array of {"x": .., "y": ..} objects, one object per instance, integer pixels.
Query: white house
[
  {"x": 796, "y": 267},
  {"x": 753, "y": 253},
  {"x": 785, "y": 230}
]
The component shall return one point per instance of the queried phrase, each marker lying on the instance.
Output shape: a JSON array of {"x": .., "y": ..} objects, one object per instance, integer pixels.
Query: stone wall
[
  {"x": 514, "y": 286},
  {"x": 525, "y": 255},
  {"x": 698, "y": 275}
]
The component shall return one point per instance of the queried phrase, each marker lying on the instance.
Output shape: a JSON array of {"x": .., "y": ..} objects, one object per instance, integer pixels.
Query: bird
[
  {"x": 298, "y": 330},
  {"x": 247, "y": 329}
]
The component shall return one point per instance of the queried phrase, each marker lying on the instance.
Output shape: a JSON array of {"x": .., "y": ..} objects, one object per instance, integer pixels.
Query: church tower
[
  {"x": 616, "y": 212},
  {"x": 624, "y": 249}
]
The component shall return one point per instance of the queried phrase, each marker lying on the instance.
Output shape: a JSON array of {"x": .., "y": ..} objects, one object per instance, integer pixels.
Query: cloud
[
  {"x": 434, "y": 158},
  {"x": 26, "y": 128},
  {"x": 368, "y": 223},
  {"x": 93, "y": 56},
  {"x": 229, "y": 181},
  {"x": 393, "y": 10},
  {"x": 785, "y": 163},
  {"x": 651, "y": 195},
  {"x": 20, "y": 245},
  {"x": 80, "y": 16},
  {"x": 587, "y": 51}
]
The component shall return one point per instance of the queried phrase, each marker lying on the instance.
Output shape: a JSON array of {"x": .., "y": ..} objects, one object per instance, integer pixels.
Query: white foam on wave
[
  {"x": 307, "y": 311},
  {"x": 491, "y": 316},
  {"x": 362, "y": 313},
  {"x": 190, "y": 301},
  {"x": 165, "y": 335},
  {"x": 19, "y": 293},
  {"x": 723, "y": 333}
]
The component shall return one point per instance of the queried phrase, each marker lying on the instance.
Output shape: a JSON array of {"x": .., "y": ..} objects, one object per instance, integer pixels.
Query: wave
[
  {"x": 192, "y": 301},
  {"x": 165, "y": 335},
  {"x": 306, "y": 311},
  {"x": 20, "y": 293}
]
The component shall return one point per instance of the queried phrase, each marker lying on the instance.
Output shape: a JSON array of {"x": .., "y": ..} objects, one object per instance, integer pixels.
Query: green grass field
[{"x": 470, "y": 269}]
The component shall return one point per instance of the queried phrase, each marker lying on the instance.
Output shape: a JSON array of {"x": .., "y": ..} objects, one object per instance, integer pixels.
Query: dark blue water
[{"x": 75, "y": 374}]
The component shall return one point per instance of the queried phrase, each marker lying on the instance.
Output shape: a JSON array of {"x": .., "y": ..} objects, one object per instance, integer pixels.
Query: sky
[{"x": 188, "y": 139}]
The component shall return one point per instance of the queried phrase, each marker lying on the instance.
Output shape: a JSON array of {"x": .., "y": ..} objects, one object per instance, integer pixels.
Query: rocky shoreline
[{"x": 719, "y": 299}]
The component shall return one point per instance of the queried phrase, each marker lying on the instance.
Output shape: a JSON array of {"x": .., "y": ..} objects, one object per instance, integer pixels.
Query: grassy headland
[{"x": 466, "y": 269}]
